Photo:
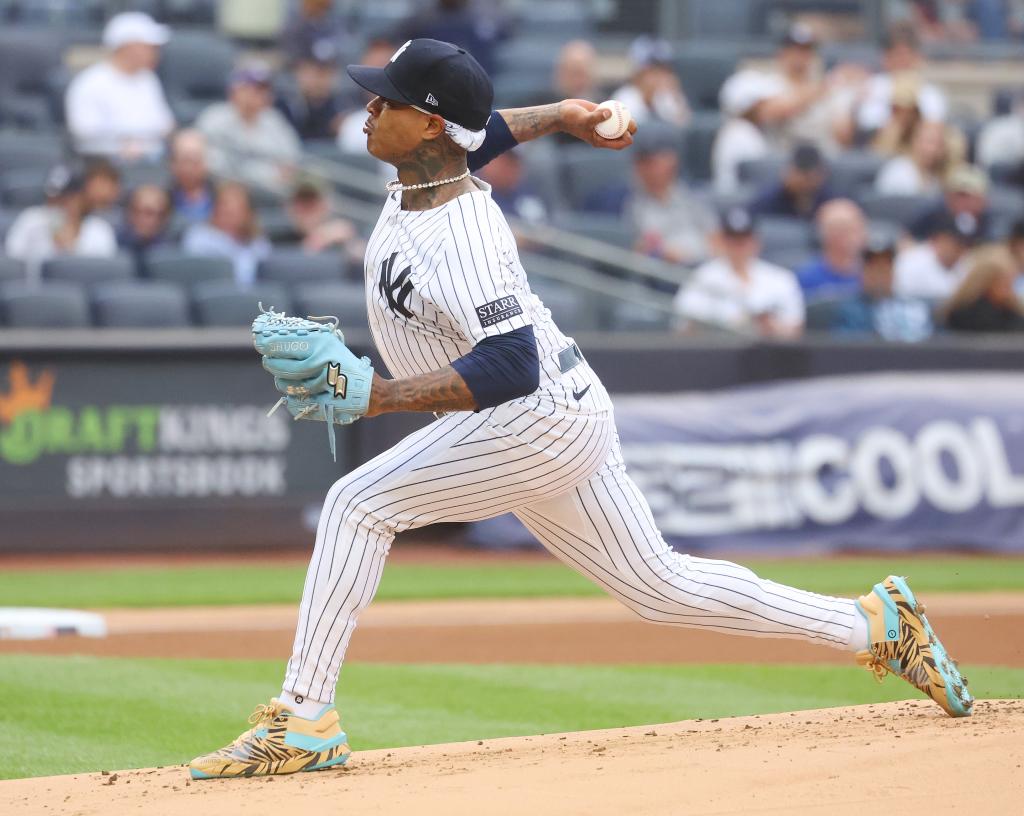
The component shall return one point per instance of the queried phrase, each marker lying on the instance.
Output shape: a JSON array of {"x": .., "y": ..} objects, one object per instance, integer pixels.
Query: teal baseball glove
[{"x": 314, "y": 369}]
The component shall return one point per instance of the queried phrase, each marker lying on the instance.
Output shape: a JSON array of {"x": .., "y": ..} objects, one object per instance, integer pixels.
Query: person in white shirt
[
  {"x": 249, "y": 140},
  {"x": 740, "y": 291},
  {"x": 921, "y": 171},
  {"x": 933, "y": 269},
  {"x": 902, "y": 58},
  {"x": 654, "y": 92},
  {"x": 1001, "y": 140},
  {"x": 62, "y": 226},
  {"x": 742, "y": 136},
  {"x": 117, "y": 107}
]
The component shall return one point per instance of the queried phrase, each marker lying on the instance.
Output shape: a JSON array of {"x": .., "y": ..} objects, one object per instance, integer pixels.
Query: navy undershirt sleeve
[
  {"x": 501, "y": 368},
  {"x": 498, "y": 139}
]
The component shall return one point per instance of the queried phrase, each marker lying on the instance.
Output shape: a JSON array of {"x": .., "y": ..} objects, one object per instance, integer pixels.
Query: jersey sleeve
[{"x": 479, "y": 283}]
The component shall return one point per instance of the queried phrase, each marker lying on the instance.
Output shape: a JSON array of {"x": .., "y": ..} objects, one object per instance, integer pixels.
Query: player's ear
[{"x": 433, "y": 128}]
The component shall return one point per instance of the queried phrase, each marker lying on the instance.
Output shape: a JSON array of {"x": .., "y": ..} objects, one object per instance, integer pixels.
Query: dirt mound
[{"x": 906, "y": 758}]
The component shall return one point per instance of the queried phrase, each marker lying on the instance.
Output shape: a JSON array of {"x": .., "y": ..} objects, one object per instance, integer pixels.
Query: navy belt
[{"x": 569, "y": 358}]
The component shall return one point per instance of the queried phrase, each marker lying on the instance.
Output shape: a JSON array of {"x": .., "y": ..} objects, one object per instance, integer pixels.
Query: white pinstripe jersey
[{"x": 439, "y": 281}]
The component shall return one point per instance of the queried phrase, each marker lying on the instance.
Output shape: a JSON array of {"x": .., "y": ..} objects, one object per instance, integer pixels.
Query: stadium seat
[
  {"x": 629, "y": 316},
  {"x": 344, "y": 300},
  {"x": 50, "y": 305},
  {"x": 527, "y": 55},
  {"x": 225, "y": 303},
  {"x": 521, "y": 89},
  {"x": 723, "y": 19},
  {"x": 23, "y": 188},
  {"x": 698, "y": 139},
  {"x": 608, "y": 228},
  {"x": 902, "y": 210},
  {"x": 88, "y": 271},
  {"x": 298, "y": 266},
  {"x": 853, "y": 170},
  {"x": 135, "y": 174},
  {"x": 195, "y": 65},
  {"x": 567, "y": 307},
  {"x": 142, "y": 304},
  {"x": 780, "y": 232},
  {"x": 198, "y": 13},
  {"x": 585, "y": 171},
  {"x": 11, "y": 269},
  {"x": 174, "y": 266},
  {"x": 27, "y": 57},
  {"x": 821, "y": 314},
  {"x": 760, "y": 173},
  {"x": 703, "y": 68}
]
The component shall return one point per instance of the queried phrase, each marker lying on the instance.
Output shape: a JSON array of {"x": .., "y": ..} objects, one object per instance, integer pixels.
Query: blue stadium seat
[
  {"x": 761, "y": 172},
  {"x": 297, "y": 266},
  {"x": 585, "y": 171},
  {"x": 174, "y": 266},
  {"x": 854, "y": 170},
  {"x": 628, "y": 316},
  {"x": 781, "y": 233},
  {"x": 698, "y": 139},
  {"x": 195, "y": 66},
  {"x": 50, "y": 305},
  {"x": 11, "y": 269},
  {"x": 344, "y": 300},
  {"x": 87, "y": 271},
  {"x": 568, "y": 309},
  {"x": 821, "y": 314},
  {"x": 903, "y": 210},
  {"x": 608, "y": 228},
  {"x": 703, "y": 67},
  {"x": 225, "y": 303},
  {"x": 142, "y": 304}
]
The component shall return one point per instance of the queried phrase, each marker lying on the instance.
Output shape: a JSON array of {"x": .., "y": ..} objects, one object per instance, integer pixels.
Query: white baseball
[{"x": 615, "y": 125}]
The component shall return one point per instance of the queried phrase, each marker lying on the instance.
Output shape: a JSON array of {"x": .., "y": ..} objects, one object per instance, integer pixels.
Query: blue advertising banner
[{"x": 879, "y": 462}]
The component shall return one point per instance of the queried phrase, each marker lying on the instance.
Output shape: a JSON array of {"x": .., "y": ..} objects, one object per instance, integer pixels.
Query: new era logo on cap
[{"x": 431, "y": 99}]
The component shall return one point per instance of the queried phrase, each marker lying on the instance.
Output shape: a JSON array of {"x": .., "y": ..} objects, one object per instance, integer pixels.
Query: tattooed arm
[
  {"x": 577, "y": 117},
  {"x": 441, "y": 390}
]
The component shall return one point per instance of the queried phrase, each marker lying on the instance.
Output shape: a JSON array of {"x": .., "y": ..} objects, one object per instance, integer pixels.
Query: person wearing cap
[
  {"x": 249, "y": 140},
  {"x": 314, "y": 108},
  {"x": 965, "y": 194},
  {"x": 934, "y": 268},
  {"x": 739, "y": 291},
  {"x": 876, "y": 310},
  {"x": 801, "y": 190},
  {"x": 654, "y": 93},
  {"x": 315, "y": 226},
  {"x": 901, "y": 58},
  {"x": 61, "y": 226},
  {"x": 117, "y": 106},
  {"x": 309, "y": 22},
  {"x": 836, "y": 270},
  {"x": 985, "y": 301}
]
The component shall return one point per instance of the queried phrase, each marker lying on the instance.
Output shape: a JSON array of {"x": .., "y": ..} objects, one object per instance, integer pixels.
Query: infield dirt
[{"x": 906, "y": 758}]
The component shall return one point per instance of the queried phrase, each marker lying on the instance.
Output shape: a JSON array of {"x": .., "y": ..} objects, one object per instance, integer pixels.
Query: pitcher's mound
[{"x": 906, "y": 758}]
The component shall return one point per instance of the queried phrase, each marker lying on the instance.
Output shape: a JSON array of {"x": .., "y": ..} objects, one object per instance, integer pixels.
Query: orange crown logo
[{"x": 25, "y": 395}]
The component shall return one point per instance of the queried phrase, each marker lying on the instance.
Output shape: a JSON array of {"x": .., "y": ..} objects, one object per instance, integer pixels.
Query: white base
[{"x": 30, "y": 623}]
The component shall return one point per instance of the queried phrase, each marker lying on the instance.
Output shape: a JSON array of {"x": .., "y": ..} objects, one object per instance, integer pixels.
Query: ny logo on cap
[
  {"x": 431, "y": 100},
  {"x": 398, "y": 53}
]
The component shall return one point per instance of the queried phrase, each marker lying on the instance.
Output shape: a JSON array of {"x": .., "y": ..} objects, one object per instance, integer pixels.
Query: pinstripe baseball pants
[{"x": 561, "y": 473}]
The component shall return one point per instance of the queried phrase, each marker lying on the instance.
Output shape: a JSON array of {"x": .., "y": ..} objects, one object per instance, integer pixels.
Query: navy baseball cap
[
  {"x": 737, "y": 221},
  {"x": 433, "y": 76}
]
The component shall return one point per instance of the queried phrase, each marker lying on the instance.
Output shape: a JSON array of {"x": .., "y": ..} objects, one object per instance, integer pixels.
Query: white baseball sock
[{"x": 302, "y": 706}]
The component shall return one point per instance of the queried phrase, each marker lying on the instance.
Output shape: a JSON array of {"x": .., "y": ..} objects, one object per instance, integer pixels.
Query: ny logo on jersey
[{"x": 395, "y": 291}]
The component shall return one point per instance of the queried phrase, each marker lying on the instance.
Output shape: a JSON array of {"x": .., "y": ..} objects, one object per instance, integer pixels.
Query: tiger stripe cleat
[
  {"x": 279, "y": 742},
  {"x": 902, "y": 642}
]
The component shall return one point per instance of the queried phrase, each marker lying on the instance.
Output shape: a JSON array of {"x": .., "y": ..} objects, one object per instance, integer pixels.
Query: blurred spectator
[
  {"x": 476, "y": 28},
  {"x": 966, "y": 195},
  {"x": 934, "y": 268},
  {"x": 62, "y": 226},
  {"x": 248, "y": 139},
  {"x": 576, "y": 72},
  {"x": 146, "y": 221},
  {"x": 842, "y": 232},
  {"x": 802, "y": 189},
  {"x": 117, "y": 106},
  {"x": 510, "y": 190},
  {"x": 803, "y": 105},
  {"x": 902, "y": 57},
  {"x": 668, "y": 220},
  {"x": 315, "y": 225},
  {"x": 351, "y": 138},
  {"x": 101, "y": 187},
  {"x": 738, "y": 290},
  {"x": 741, "y": 138},
  {"x": 315, "y": 108},
  {"x": 312, "y": 21},
  {"x": 233, "y": 232},
  {"x": 986, "y": 301},
  {"x": 191, "y": 188},
  {"x": 875, "y": 310},
  {"x": 921, "y": 171},
  {"x": 653, "y": 92},
  {"x": 1001, "y": 140},
  {"x": 1015, "y": 243},
  {"x": 897, "y": 134}
]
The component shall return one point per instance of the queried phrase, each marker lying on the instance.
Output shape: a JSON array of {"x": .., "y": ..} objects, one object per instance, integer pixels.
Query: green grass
[
  {"x": 71, "y": 714},
  {"x": 255, "y": 584}
]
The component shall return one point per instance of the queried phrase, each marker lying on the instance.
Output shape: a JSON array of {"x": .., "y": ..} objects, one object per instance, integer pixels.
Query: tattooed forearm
[
  {"x": 532, "y": 123},
  {"x": 442, "y": 390}
]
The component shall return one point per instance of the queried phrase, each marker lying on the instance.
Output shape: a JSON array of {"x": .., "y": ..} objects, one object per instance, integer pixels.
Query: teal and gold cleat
[
  {"x": 279, "y": 742},
  {"x": 903, "y": 642}
]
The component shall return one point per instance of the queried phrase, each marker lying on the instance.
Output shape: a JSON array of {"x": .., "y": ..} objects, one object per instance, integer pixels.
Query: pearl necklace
[{"x": 396, "y": 186}]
